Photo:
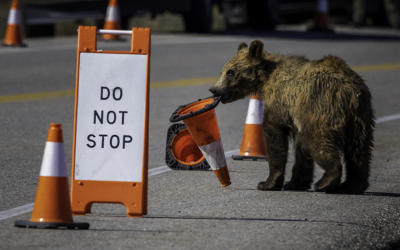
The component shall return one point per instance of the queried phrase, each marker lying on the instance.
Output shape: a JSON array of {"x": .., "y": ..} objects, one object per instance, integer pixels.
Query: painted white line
[
  {"x": 155, "y": 171},
  {"x": 165, "y": 168},
  {"x": 159, "y": 170},
  {"x": 16, "y": 211},
  {"x": 387, "y": 118},
  {"x": 29, "y": 207},
  {"x": 232, "y": 152}
]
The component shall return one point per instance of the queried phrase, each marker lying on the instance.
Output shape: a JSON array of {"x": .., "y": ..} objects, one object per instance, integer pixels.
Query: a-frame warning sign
[{"x": 110, "y": 141}]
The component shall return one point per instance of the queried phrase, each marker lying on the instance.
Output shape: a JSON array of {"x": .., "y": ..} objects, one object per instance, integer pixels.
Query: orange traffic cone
[
  {"x": 14, "y": 32},
  {"x": 52, "y": 208},
  {"x": 253, "y": 145},
  {"x": 182, "y": 152},
  {"x": 113, "y": 20},
  {"x": 201, "y": 121},
  {"x": 321, "y": 21}
]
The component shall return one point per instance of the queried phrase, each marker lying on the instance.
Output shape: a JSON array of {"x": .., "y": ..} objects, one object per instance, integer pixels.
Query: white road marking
[
  {"x": 159, "y": 170},
  {"x": 16, "y": 211},
  {"x": 387, "y": 118},
  {"x": 29, "y": 207},
  {"x": 155, "y": 171},
  {"x": 165, "y": 168}
]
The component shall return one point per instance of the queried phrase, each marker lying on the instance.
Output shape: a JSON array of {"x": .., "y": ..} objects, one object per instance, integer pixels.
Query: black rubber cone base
[
  {"x": 51, "y": 225},
  {"x": 249, "y": 158},
  {"x": 14, "y": 45},
  {"x": 170, "y": 160}
]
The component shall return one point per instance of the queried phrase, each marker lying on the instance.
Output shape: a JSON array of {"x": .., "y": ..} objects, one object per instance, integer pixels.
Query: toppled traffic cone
[
  {"x": 112, "y": 21},
  {"x": 201, "y": 121},
  {"x": 253, "y": 145},
  {"x": 52, "y": 208},
  {"x": 182, "y": 152},
  {"x": 14, "y": 32},
  {"x": 321, "y": 21}
]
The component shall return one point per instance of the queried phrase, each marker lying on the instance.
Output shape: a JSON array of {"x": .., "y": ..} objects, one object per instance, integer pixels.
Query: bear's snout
[{"x": 213, "y": 90}]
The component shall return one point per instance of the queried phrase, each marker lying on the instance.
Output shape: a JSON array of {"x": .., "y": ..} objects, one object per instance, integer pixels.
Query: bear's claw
[
  {"x": 323, "y": 185},
  {"x": 266, "y": 186}
]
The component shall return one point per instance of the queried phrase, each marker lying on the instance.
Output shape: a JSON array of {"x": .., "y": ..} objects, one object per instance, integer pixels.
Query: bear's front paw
[
  {"x": 292, "y": 185},
  {"x": 268, "y": 186}
]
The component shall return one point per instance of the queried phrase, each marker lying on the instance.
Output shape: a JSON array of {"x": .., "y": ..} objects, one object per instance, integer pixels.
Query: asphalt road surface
[{"x": 190, "y": 209}]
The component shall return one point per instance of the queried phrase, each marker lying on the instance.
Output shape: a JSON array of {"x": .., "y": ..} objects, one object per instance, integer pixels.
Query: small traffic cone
[
  {"x": 52, "y": 208},
  {"x": 321, "y": 20},
  {"x": 201, "y": 121},
  {"x": 113, "y": 21},
  {"x": 182, "y": 152},
  {"x": 253, "y": 145},
  {"x": 14, "y": 32}
]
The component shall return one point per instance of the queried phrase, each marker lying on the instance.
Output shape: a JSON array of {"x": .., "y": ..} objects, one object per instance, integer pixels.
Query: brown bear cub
[{"x": 323, "y": 105}]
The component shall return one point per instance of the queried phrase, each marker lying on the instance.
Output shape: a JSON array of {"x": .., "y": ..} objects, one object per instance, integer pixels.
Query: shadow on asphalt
[
  {"x": 133, "y": 230},
  {"x": 382, "y": 194},
  {"x": 251, "y": 219},
  {"x": 393, "y": 246},
  {"x": 303, "y": 35}
]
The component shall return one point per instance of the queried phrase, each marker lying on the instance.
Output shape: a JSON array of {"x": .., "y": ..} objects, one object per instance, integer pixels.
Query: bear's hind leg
[
  {"x": 302, "y": 171},
  {"x": 357, "y": 173},
  {"x": 357, "y": 155},
  {"x": 329, "y": 160},
  {"x": 276, "y": 140}
]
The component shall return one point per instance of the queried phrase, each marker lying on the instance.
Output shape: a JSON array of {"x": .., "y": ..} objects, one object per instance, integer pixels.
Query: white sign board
[{"x": 110, "y": 117}]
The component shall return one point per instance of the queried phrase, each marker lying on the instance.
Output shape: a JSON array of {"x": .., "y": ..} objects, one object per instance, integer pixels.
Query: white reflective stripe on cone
[
  {"x": 14, "y": 17},
  {"x": 214, "y": 154},
  {"x": 53, "y": 163},
  {"x": 112, "y": 14},
  {"x": 255, "y": 112},
  {"x": 322, "y": 6}
]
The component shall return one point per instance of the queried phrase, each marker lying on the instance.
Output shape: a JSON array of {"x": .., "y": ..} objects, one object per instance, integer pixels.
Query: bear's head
[{"x": 240, "y": 76}]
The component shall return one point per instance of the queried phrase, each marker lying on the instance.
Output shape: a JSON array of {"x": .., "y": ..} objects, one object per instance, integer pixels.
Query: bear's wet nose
[{"x": 212, "y": 90}]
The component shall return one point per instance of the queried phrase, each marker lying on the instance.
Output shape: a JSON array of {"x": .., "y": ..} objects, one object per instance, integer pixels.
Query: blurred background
[{"x": 62, "y": 17}]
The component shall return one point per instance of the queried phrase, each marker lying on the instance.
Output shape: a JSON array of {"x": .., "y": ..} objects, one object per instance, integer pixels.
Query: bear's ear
[
  {"x": 242, "y": 46},
  {"x": 256, "y": 49}
]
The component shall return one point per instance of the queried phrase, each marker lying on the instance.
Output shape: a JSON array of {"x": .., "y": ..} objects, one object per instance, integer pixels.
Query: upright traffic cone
[
  {"x": 201, "y": 121},
  {"x": 113, "y": 20},
  {"x": 52, "y": 208},
  {"x": 14, "y": 32},
  {"x": 253, "y": 145},
  {"x": 321, "y": 19}
]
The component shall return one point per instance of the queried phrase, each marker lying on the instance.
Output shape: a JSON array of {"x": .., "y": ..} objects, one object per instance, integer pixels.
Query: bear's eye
[{"x": 230, "y": 72}]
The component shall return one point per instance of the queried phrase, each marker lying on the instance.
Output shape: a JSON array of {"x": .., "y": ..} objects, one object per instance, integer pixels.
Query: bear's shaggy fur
[{"x": 323, "y": 105}]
